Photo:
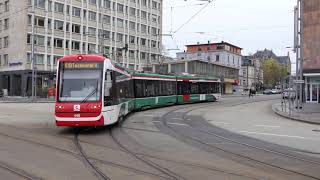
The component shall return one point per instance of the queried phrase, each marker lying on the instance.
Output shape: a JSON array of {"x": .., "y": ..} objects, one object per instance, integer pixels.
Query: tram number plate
[{"x": 76, "y": 115}]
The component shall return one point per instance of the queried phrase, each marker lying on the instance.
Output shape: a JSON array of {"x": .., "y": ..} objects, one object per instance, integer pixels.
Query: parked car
[
  {"x": 276, "y": 91},
  {"x": 267, "y": 91}
]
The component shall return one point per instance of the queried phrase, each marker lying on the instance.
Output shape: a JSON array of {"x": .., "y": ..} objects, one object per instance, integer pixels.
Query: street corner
[{"x": 306, "y": 115}]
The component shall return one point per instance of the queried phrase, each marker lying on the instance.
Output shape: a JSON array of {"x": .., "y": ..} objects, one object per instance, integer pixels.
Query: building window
[
  {"x": 76, "y": 12},
  {"x": 144, "y": 2},
  {"x": 76, "y": 28},
  {"x": 132, "y": 39},
  {"x": 154, "y": 18},
  {"x": 91, "y": 48},
  {"x": 107, "y": 4},
  {"x": 143, "y": 55},
  {"x": 58, "y": 43},
  {"x": 120, "y": 23},
  {"x": 153, "y": 44},
  {"x": 94, "y": 2},
  {"x": 217, "y": 58},
  {"x": 92, "y": 16},
  {"x": 119, "y": 37},
  {"x": 39, "y": 59},
  {"x": 75, "y": 45},
  {"x": 58, "y": 7},
  {"x": 143, "y": 15},
  {"x": 106, "y": 19},
  {"x": 91, "y": 31},
  {"x": 104, "y": 34},
  {"x": 143, "y": 28},
  {"x": 39, "y": 3},
  {"x": 49, "y": 24},
  {"x": 132, "y": 25},
  {"x": 154, "y": 5},
  {"x": 132, "y": 12},
  {"x": 6, "y": 6},
  {"x": 6, "y": 24},
  {"x": 29, "y": 19},
  {"x": 143, "y": 41},
  {"x": 49, "y": 6},
  {"x": 58, "y": 25},
  {"x": 38, "y": 40},
  {"x": 6, "y": 42},
  {"x": 154, "y": 31},
  {"x": 5, "y": 59},
  {"x": 120, "y": 8},
  {"x": 39, "y": 21},
  {"x": 49, "y": 60}
]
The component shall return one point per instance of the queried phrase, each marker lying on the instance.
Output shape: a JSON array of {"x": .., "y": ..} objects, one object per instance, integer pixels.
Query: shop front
[
  {"x": 312, "y": 88},
  {"x": 228, "y": 85}
]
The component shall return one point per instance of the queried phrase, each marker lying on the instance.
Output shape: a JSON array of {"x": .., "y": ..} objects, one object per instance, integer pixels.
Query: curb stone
[{"x": 292, "y": 117}]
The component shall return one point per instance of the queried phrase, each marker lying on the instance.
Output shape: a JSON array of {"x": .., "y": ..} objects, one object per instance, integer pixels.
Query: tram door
[{"x": 186, "y": 91}]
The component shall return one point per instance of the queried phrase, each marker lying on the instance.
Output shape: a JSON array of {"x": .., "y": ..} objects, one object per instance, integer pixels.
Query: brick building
[{"x": 311, "y": 50}]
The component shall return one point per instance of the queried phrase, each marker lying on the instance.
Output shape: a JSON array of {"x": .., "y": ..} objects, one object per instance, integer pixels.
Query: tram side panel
[
  {"x": 154, "y": 93},
  {"x": 118, "y": 96}
]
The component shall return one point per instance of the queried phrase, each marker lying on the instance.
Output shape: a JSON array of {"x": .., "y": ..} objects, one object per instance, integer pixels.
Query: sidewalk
[
  {"x": 18, "y": 99},
  {"x": 309, "y": 114}
]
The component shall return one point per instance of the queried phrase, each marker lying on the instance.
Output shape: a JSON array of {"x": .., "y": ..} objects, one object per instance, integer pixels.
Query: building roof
[
  {"x": 283, "y": 59},
  {"x": 226, "y": 43},
  {"x": 269, "y": 54}
]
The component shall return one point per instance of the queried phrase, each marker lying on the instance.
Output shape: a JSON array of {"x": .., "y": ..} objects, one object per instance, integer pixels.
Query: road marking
[
  {"x": 269, "y": 134},
  {"x": 219, "y": 122},
  {"x": 267, "y": 126},
  {"x": 147, "y": 115},
  {"x": 179, "y": 124},
  {"x": 176, "y": 118}
]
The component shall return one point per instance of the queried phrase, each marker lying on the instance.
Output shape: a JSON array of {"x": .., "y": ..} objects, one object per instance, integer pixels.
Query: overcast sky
[{"x": 250, "y": 24}]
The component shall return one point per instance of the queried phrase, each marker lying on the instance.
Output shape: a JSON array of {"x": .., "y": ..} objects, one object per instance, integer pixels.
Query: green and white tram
[{"x": 93, "y": 91}]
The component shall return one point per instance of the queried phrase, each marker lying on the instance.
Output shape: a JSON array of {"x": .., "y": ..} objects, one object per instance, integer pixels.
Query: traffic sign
[{"x": 298, "y": 81}]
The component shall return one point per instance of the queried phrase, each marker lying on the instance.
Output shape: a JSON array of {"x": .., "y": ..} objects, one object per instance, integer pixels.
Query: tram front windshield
[{"x": 80, "y": 81}]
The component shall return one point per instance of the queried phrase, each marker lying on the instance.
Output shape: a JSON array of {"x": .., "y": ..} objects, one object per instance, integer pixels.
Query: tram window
[
  {"x": 150, "y": 88},
  {"x": 108, "y": 96},
  {"x": 183, "y": 88},
  {"x": 204, "y": 88},
  {"x": 194, "y": 88},
  {"x": 139, "y": 88}
]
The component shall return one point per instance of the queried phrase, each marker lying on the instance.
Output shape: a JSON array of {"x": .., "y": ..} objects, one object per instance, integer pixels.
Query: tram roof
[{"x": 191, "y": 77}]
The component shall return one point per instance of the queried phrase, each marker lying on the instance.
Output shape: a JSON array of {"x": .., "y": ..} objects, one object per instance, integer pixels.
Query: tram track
[
  {"x": 110, "y": 163},
  {"x": 146, "y": 158},
  {"x": 76, "y": 155},
  {"x": 18, "y": 172},
  {"x": 184, "y": 117},
  {"x": 157, "y": 167}
]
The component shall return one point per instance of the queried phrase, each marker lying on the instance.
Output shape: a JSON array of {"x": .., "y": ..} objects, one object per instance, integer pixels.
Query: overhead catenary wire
[{"x": 192, "y": 17}]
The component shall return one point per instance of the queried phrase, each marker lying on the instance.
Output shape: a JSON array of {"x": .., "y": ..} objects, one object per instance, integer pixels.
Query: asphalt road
[{"x": 236, "y": 138}]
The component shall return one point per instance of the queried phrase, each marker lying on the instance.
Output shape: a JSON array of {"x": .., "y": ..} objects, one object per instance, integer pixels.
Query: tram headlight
[{"x": 59, "y": 107}]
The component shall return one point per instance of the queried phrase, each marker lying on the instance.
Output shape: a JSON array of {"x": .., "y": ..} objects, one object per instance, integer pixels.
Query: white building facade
[{"x": 127, "y": 31}]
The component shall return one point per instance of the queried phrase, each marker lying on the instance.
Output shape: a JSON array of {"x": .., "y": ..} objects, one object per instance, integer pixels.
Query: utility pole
[
  {"x": 296, "y": 47},
  {"x": 301, "y": 50},
  {"x": 32, "y": 53}
]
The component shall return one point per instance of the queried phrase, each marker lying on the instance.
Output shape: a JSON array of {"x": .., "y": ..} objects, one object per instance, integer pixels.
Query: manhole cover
[{"x": 316, "y": 130}]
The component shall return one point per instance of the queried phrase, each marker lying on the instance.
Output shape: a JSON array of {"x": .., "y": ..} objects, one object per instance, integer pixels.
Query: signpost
[{"x": 298, "y": 81}]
